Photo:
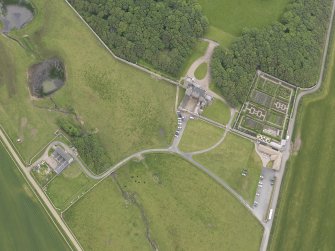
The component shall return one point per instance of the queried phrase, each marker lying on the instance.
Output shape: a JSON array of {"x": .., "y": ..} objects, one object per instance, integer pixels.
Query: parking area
[
  {"x": 263, "y": 193},
  {"x": 180, "y": 127}
]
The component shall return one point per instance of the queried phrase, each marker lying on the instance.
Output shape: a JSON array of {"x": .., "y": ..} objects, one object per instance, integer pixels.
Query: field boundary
[
  {"x": 36, "y": 196},
  {"x": 141, "y": 68}
]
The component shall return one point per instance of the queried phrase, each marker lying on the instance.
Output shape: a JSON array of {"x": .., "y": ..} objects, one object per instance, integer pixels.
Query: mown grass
[
  {"x": 225, "y": 39},
  {"x": 304, "y": 219},
  {"x": 229, "y": 159},
  {"x": 199, "y": 135},
  {"x": 233, "y": 16},
  {"x": 24, "y": 223},
  {"x": 130, "y": 110},
  {"x": 66, "y": 187},
  {"x": 201, "y": 216},
  {"x": 198, "y": 51},
  {"x": 201, "y": 71},
  {"x": 218, "y": 111}
]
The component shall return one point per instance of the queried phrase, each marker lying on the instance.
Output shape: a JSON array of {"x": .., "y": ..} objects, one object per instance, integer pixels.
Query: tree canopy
[
  {"x": 161, "y": 33},
  {"x": 289, "y": 49}
]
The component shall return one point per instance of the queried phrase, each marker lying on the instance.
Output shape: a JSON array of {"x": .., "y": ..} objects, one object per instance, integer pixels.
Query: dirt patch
[
  {"x": 23, "y": 125},
  {"x": 33, "y": 132},
  {"x": 46, "y": 77},
  {"x": 297, "y": 144}
]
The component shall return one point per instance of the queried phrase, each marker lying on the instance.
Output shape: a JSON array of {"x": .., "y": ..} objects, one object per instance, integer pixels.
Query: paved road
[
  {"x": 222, "y": 183},
  {"x": 286, "y": 153},
  {"x": 39, "y": 191}
]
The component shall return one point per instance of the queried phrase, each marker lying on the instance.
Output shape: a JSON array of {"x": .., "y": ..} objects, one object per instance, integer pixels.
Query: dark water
[{"x": 15, "y": 17}]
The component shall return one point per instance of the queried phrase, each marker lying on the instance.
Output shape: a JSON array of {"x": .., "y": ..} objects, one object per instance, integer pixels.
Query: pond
[
  {"x": 15, "y": 17},
  {"x": 46, "y": 77}
]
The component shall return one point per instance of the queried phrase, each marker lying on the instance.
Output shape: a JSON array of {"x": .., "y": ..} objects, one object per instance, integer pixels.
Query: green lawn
[
  {"x": 66, "y": 187},
  {"x": 201, "y": 71},
  {"x": 229, "y": 159},
  {"x": 24, "y": 223},
  {"x": 199, "y": 135},
  {"x": 233, "y": 15},
  {"x": 130, "y": 110},
  {"x": 198, "y": 51},
  {"x": 225, "y": 39},
  {"x": 218, "y": 111},
  {"x": 306, "y": 211},
  {"x": 201, "y": 216}
]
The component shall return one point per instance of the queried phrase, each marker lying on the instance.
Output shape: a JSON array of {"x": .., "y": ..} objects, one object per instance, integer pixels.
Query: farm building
[{"x": 62, "y": 158}]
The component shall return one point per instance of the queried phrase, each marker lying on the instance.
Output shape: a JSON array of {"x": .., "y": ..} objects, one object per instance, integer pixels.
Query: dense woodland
[
  {"x": 88, "y": 145},
  {"x": 161, "y": 33},
  {"x": 290, "y": 49}
]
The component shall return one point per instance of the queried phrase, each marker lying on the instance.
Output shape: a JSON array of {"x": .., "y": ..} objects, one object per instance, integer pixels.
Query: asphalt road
[
  {"x": 286, "y": 153},
  {"x": 39, "y": 191}
]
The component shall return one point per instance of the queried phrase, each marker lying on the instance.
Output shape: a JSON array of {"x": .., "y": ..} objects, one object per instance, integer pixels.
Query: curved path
[
  {"x": 204, "y": 83},
  {"x": 87, "y": 171},
  {"x": 232, "y": 113},
  {"x": 286, "y": 153}
]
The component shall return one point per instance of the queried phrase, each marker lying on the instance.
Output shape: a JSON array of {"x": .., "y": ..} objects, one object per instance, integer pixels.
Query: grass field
[
  {"x": 232, "y": 16},
  {"x": 223, "y": 38},
  {"x": 201, "y": 72},
  {"x": 229, "y": 159},
  {"x": 24, "y": 223},
  {"x": 199, "y": 135},
  {"x": 130, "y": 109},
  {"x": 201, "y": 216},
  {"x": 306, "y": 210},
  {"x": 199, "y": 51},
  {"x": 217, "y": 111},
  {"x": 66, "y": 187}
]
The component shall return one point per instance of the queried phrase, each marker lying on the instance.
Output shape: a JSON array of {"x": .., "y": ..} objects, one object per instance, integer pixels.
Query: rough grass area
[
  {"x": 217, "y": 111},
  {"x": 199, "y": 51},
  {"x": 201, "y": 216},
  {"x": 20, "y": 119},
  {"x": 304, "y": 219},
  {"x": 129, "y": 110},
  {"x": 104, "y": 220},
  {"x": 233, "y": 16},
  {"x": 229, "y": 159},
  {"x": 201, "y": 71},
  {"x": 24, "y": 223},
  {"x": 199, "y": 135},
  {"x": 66, "y": 187}
]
